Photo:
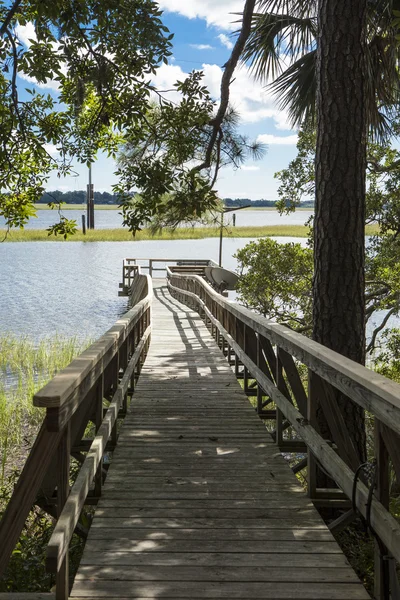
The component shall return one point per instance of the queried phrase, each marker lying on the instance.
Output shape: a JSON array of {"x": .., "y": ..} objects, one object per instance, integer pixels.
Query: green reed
[
  {"x": 25, "y": 367},
  {"x": 182, "y": 233}
]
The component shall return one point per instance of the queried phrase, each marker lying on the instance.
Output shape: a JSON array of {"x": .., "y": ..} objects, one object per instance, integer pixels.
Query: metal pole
[
  {"x": 88, "y": 206},
  {"x": 90, "y": 201},
  {"x": 220, "y": 239}
]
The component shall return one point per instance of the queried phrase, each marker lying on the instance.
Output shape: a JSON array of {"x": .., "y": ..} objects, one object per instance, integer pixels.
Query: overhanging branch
[{"x": 230, "y": 67}]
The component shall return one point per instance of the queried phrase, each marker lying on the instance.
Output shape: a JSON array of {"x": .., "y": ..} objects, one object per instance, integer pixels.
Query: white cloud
[
  {"x": 248, "y": 96},
  {"x": 250, "y": 168},
  {"x": 218, "y": 13},
  {"x": 51, "y": 149},
  {"x": 267, "y": 138},
  {"x": 225, "y": 41},
  {"x": 26, "y": 33},
  {"x": 201, "y": 46}
]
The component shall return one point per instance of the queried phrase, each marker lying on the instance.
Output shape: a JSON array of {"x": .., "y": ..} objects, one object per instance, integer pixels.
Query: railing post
[
  {"x": 280, "y": 386},
  {"x": 382, "y": 492},
  {"x": 312, "y": 419},
  {"x": 115, "y": 381},
  {"x": 63, "y": 466},
  {"x": 245, "y": 370},
  {"x": 259, "y": 390},
  {"x": 98, "y": 480}
]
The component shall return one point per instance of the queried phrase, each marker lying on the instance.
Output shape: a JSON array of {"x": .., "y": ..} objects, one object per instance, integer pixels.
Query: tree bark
[{"x": 338, "y": 289}]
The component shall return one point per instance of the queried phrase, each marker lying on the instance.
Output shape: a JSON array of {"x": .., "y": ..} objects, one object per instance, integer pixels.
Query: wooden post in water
[
  {"x": 90, "y": 201},
  {"x": 83, "y": 224}
]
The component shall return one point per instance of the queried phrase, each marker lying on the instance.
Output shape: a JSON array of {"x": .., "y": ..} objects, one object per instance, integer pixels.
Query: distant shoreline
[
  {"x": 116, "y": 207},
  {"x": 184, "y": 233}
]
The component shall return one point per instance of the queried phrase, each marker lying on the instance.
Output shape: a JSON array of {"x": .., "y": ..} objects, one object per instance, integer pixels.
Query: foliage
[
  {"x": 25, "y": 367},
  {"x": 276, "y": 280},
  {"x": 282, "y": 52},
  {"x": 168, "y": 166},
  {"x": 382, "y": 208},
  {"x": 297, "y": 181},
  {"x": 87, "y": 50},
  {"x": 26, "y": 570},
  {"x": 387, "y": 360}
]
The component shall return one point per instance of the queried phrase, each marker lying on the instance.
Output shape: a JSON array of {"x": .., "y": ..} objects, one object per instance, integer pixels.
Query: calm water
[
  {"x": 72, "y": 288},
  {"x": 111, "y": 219}
]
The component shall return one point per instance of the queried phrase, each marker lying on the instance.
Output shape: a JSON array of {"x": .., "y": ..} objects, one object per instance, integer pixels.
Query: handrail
[
  {"x": 108, "y": 370},
  {"x": 368, "y": 389},
  {"x": 252, "y": 338},
  {"x": 68, "y": 519},
  {"x": 130, "y": 266}
]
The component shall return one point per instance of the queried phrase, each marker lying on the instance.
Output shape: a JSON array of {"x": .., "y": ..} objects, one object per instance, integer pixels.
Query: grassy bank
[
  {"x": 184, "y": 233},
  {"x": 25, "y": 367}
]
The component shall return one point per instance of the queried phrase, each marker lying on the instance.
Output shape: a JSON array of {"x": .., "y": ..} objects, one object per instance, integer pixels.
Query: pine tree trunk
[{"x": 339, "y": 308}]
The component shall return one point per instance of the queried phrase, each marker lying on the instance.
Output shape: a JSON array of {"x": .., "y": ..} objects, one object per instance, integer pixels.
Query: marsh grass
[
  {"x": 182, "y": 233},
  {"x": 25, "y": 367}
]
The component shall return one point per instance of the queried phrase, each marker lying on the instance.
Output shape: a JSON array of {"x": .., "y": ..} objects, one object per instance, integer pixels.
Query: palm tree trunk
[{"x": 338, "y": 290}]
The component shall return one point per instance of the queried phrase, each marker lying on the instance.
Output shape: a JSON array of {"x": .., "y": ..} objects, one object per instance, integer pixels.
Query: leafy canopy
[
  {"x": 101, "y": 55},
  {"x": 274, "y": 280},
  {"x": 167, "y": 165},
  {"x": 282, "y": 51}
]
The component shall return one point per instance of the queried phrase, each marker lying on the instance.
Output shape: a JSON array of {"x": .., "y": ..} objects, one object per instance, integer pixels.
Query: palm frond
[
  {"x": 295, "y": 89},
  {"x": 275, "y": 37},
  {"x": 297, "y": 8}
]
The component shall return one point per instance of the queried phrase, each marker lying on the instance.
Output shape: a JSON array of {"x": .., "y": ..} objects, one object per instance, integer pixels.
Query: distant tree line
[
  {"x": 78, "y": 197},
  {"x": 229, "y": 202}
]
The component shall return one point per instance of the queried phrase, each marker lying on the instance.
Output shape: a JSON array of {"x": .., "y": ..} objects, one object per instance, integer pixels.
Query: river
[
  {"x": 72, "y": 287},
  {"x": 112, "y": 219}
]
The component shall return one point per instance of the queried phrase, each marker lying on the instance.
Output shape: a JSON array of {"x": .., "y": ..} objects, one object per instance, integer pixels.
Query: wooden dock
[{"x": 199, "y": 503}]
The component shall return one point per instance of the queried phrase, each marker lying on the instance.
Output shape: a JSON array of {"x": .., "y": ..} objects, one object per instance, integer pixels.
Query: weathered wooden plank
[
  {"x": 113, "y": 555},
  {"x": 198, "y": 502},
  {"x": 208, "y": 589},
  {"x": 207, "y": 513},
  {"x": 26, "y": 596},
  {"x": 149, "y": 545},
  {"x": 238, "y": 533},
  {"x": 220, "y": 573},
  {"x": 227, "y": 507},
  {"x": 149, "y": 523}
]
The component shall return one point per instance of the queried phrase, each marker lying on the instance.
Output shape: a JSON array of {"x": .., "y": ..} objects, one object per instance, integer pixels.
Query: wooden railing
[
  {"x": 156, "y": 265},
  {"x": 74, "y": 400},
  {"x": 267, "y": 357}
]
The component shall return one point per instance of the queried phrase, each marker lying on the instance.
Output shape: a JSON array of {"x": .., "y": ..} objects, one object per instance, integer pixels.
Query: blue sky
[{"x": 203, "y": 39}]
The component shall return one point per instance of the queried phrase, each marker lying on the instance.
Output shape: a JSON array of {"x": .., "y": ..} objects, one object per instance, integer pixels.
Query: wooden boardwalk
[{"x": 198, "y": 502}]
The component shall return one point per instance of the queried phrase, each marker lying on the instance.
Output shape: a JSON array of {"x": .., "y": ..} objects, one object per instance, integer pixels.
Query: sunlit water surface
[{"x": 72, "y": 287}]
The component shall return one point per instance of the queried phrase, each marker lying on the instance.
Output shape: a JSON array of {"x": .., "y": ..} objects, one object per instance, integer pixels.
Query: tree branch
[
  {"x": 14, "y": 91},
  {"x": 230, "y": 67},
  {"x": 371, "y": 345},
  {"x": 9, "y": 16}
]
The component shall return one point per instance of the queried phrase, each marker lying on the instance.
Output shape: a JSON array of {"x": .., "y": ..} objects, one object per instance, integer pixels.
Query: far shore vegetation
[
  {"x": 117, "y": 207},
  {"x": 182, "y": 233}
]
